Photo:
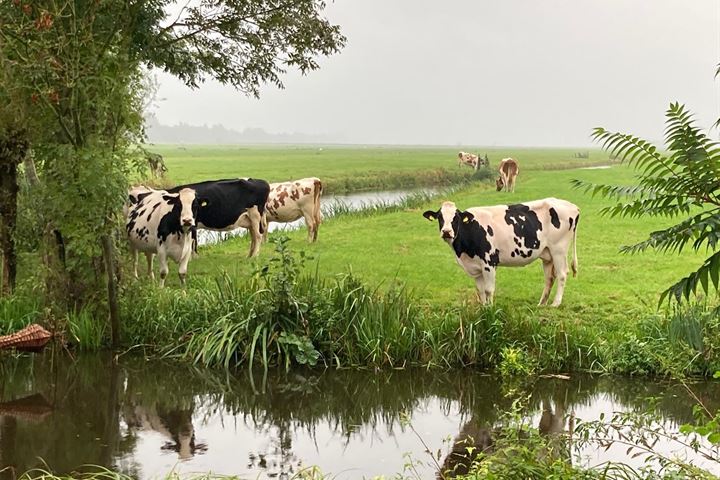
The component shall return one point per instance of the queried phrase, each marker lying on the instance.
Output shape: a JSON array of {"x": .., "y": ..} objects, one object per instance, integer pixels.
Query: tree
[
  {"x": 683, "y": 181},
  {"x": 77, "y": 68}
]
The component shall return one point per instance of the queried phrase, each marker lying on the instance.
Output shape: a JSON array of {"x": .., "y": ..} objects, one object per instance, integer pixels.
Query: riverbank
[{"x": 381, "y": 289}]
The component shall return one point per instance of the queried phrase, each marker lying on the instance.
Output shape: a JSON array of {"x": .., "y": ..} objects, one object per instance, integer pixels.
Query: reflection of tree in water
[
  {"x": 93, "y": 398},
  {"x": 277, "y": 459}
]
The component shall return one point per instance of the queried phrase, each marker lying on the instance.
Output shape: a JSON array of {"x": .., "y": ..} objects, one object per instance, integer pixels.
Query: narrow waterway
[
  {"x": 328, "y": 205},
  {"x": 146, "y": 418}
]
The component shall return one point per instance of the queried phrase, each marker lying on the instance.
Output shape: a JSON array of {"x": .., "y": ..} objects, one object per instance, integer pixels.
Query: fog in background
[{"x": 472, "y": 72}]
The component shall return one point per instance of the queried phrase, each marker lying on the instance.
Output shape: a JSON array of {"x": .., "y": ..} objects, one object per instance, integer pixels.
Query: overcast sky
[{"x": 485, "y": 72}]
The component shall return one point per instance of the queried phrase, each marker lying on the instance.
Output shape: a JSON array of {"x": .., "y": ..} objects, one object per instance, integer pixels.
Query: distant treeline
[{"x": 218, "y": 134}]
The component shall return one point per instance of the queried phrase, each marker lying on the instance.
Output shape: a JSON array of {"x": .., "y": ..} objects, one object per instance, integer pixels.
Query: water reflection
[{"x": 148, "y": 417}]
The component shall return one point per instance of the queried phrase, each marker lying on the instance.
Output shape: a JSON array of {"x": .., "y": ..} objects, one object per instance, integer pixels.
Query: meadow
[
  {"x": 351, "y": 168},
  {"x": 380, "y": 288}
]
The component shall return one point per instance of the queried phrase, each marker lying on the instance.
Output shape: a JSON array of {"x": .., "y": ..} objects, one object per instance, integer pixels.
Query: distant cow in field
[
  {"x": 484, "y": 238},
  {"x": 508, "y": 174},
  {"x": 289, "y": 201},
  {"x": 162, "y": 223},
  {"x": 469, "y": 159},
  {"x": 231, "y": 204}
]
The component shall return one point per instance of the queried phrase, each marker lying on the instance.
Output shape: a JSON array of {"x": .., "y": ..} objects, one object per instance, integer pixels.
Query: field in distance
[{"x": 352, "y": 168}]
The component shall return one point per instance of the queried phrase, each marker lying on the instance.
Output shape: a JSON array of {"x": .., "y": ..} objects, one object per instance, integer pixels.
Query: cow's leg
[
  {"x": 135, "y": 261},
  {"x": 561, "y": 270},
  {"x": 254, "y": 218},
  {"x": 549, "y": 280},
  {"x": 162, "y": 260},
  {"x": 480, "y": 285},
  {"x": 489, "y": 280},
  {"x": 310, "y": 222},
  {"x": 149, "y": 258},
  {"x": 182, "y": 268}
]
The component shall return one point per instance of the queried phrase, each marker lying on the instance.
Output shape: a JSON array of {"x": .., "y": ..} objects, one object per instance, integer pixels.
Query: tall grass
[{"x": 280, "y": 316}]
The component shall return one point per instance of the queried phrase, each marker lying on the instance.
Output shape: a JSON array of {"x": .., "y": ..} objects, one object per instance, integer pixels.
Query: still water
[
  {"x": 147, "y": 417},
  {"x": 351, "y": 201}
]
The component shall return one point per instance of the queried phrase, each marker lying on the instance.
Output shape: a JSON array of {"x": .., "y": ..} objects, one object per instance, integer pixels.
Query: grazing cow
[
  {"x": 508, "y": 173},
  {"x": 163, "y": 223},
  {"x": 232, "y": 203},
  {"x": 288, "y": 201},
  {"x": 484, "y": 238},
  {"x": 469, "y": 159}
]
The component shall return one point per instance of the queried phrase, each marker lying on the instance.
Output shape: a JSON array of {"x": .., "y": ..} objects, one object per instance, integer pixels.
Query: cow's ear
[
  {"x": 204, "y": 202},
  {"x": 132, "y": 199},
  {"x": 430, "y": 215},
  {"x": 466, "y": 217}
]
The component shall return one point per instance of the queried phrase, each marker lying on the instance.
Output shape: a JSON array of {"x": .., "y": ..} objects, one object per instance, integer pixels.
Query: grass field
[
  {"x": 403, "y": 246},
  {"x": 608, "y": 320},
  {"x": 350, "y": 168}
]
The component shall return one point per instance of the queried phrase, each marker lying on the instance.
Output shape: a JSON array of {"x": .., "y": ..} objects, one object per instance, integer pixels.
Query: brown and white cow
[
  {"x": 508, "y": 174},
  {"x": 469, "y": 159},
  {"x": 289, "y": 201},
  {"x": 484, "y": 238}
]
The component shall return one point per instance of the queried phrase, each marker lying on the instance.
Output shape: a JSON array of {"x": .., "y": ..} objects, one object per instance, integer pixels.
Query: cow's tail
[
  {"x": 575, "y": 260},
  {"x": 317, "y": 191}
]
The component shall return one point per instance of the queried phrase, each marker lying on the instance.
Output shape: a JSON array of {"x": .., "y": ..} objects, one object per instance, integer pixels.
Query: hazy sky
[{"x": 485, "y": 72}]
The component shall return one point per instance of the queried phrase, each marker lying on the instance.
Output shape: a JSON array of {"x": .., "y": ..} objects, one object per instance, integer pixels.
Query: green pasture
[
  {"x": 349, "y": 168},
  {"x": 404, "y": 247}
]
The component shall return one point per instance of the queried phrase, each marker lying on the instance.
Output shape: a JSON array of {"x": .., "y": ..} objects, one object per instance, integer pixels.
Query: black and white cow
[
  {"x": 484, "y": 238},
  {"x": 162, "y": 223},
  {"x": 232, "y": 203}
]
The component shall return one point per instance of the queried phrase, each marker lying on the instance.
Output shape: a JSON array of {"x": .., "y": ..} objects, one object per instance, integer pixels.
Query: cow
[
  {"x": 162, "y": 223},
  {"x": 508, "y": 170},
  {"x": 469, "y": 159},
  {"x": 288, "y": 201},
  {"x": 484, "y": 238},
  {"x": 232, "y": 203}
]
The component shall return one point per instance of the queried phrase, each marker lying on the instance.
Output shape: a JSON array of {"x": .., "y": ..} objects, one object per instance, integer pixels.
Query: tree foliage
[
  {"x": 683, "y": 180},
  {"x": 77, "y": 70}
]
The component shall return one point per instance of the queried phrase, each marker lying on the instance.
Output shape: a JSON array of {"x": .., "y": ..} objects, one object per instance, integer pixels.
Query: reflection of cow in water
[
  {"x": 474, "y": 440},
  {"x": 176, "y": 425}
]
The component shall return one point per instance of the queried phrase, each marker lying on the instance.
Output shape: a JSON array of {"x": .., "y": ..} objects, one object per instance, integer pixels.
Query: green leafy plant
[{"x": 685, "y": 181}]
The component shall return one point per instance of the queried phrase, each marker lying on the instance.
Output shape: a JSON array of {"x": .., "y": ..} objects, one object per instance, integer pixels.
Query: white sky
[{"x": 485, "y": 72}]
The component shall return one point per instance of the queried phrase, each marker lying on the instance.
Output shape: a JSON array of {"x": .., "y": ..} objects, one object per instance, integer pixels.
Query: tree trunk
[
  {"x": 109, "y": 254},
  {"x": 13, "y": 147}
]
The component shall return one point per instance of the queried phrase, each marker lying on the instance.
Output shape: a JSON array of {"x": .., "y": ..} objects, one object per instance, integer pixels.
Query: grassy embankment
[{"x": 608, "y": 320}]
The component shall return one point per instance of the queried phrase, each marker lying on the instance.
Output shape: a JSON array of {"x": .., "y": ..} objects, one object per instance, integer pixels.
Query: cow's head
[
  {"x": 449, "y": 220},
  {"x": 189, "y": 205},
  {"x": 499, "y": 184}
]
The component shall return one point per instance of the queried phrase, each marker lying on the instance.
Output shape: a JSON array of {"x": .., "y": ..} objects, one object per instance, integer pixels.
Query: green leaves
[{"x": 682, "y": 181}]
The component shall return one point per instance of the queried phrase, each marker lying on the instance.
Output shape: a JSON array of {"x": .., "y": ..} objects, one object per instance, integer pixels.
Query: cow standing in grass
[
  {"x": 508, "y": 170},
  {"x": 289, "y": 201},
  {"x": 231, "y": 204},
  {"x": 469, "y": 159},
  {"x": 484, "y": 238},
  {"x": 162, "y": 223}
]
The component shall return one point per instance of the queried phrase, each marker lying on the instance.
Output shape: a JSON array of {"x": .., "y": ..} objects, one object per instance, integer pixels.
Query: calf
[
  {"x": 508, "y": 173},
  {"x": 231, "y": 204},
  {"x": 484, "y": 238},
  {"x": 162, "y": 223},
  {"x": 469, "y": 159},
  {"x": 288, "y": 201}
]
